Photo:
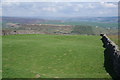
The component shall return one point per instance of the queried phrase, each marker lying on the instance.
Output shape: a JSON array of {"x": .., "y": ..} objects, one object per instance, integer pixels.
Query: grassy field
[
  {"x": 115, "y": 39},
  {"x": 53, "y": 56},
  {"x": 0, "y": 57}
]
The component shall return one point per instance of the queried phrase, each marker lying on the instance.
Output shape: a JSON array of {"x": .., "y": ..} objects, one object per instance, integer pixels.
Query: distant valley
[{"x": 66, "y": 26}]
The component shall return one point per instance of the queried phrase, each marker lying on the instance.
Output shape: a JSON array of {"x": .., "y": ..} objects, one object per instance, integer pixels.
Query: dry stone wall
[{"x": 111, "y": 57}]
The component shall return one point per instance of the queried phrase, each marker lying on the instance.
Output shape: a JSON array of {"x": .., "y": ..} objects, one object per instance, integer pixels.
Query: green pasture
[
  {"x": 0, "y": 57},
  {"x": 53, "y": 56}
]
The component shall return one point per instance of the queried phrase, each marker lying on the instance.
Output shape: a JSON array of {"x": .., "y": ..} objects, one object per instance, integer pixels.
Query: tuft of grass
[{"x": 53, "y": 56}]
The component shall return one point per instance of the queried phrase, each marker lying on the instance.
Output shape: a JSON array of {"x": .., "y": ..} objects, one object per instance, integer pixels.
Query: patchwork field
[{"x": 53, "y": 56}]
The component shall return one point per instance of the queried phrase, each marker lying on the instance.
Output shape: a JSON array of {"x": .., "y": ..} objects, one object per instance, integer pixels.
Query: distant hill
[
  {"x": 95, "y": 19},
  {"x": 106, "y": 22},
  {"x": 48, "y": 26},
  {"x": 69, "y": 19},
  {"x": 21, "y": 20},
  {"x": 112, "y": 19}
]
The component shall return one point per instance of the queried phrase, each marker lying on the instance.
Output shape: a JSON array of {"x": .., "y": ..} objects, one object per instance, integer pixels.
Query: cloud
[
  {"x": 79, "y": 6},
  {"x": 60, "y": 0},
  {"x": 76, "y": 9},
  {"x": 69, "y": 4},
  {"x": 10, "y": 3},
  {"x": 109, "y": 5},
  {"x": 0, "y": 11},
  {"x": 102, "y": 12},
  {"x": 18, "y": 0},
  {"x": 84, "y": 5},
  {"x": 90, "y": 6},
  {"x": 59, "y": 9},
  {"x": 49, "y": 9}
]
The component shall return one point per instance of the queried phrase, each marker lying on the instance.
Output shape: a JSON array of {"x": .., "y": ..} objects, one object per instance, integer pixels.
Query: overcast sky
[
  {"x": 59, "y": 9},
  {"x": 59, "y": 0}
]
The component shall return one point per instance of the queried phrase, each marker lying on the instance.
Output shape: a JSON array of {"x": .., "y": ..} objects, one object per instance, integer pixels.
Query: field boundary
[{"x": 111, "y": 57}]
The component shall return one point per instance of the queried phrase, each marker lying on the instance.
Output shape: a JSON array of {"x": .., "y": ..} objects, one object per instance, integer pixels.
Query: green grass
[
  {"x": 0, "y": 57},
  {"x": 53, "y": 56}
]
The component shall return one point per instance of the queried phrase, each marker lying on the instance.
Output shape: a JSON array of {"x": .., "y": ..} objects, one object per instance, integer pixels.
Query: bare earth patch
[{"x": 37, "y": 76}]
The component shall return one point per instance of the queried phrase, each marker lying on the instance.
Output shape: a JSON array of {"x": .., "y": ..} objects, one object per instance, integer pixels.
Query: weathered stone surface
[{"x": 112, "y": 57}]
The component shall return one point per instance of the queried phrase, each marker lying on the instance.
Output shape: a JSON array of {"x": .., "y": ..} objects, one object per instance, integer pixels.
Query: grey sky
[{"x": 60, "y": 9}]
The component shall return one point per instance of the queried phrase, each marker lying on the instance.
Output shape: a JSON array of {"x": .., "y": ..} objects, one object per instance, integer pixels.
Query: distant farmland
[
  {"x": 85, "y": 23},
  {"x": 53, "y": 56},
  {"x": 93, "y": 26}
]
